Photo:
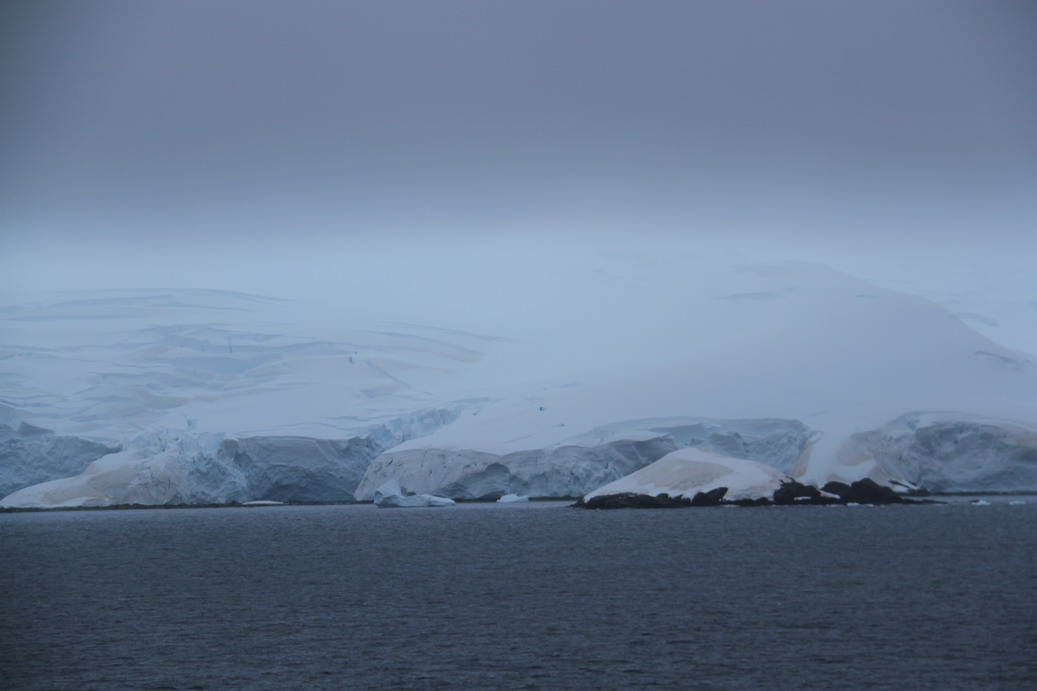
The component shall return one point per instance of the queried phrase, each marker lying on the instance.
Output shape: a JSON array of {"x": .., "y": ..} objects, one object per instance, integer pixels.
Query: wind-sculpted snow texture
[
  {"x": 575, "y": 468},
  {"x": 943, "y": 452},
  {"x": 29, "y": 455}
]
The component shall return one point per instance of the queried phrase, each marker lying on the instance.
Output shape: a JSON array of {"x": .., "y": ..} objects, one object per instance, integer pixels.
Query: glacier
[
  {"x": 576, "y": 466},
  {"x": 167, "y": 467},
  {"x": 547, "y": 384},
  {"x": 30, "y": 455},
  {"x": 949, "y": 452}
]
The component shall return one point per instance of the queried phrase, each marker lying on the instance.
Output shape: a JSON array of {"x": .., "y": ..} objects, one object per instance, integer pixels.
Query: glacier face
[
  {"x": 949, "y": 452},
  {"x": 584, "y": 463},
  {"x": 172, "y": 467},
  {"x": 30, "y": 455}
]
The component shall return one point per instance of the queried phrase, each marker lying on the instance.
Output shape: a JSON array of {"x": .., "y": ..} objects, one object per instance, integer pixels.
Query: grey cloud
[{"x": 146, "y": 124}]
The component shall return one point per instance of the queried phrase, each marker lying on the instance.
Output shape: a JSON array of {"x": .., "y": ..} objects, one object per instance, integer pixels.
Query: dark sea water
[{"x": 521, "y": 596}]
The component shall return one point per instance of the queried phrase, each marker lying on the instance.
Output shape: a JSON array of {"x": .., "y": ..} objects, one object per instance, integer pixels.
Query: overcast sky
[{"x": 132, "y": 130}]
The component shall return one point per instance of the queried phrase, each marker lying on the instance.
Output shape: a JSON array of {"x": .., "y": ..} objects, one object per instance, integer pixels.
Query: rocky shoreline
[{"x": 790, "y": 493}]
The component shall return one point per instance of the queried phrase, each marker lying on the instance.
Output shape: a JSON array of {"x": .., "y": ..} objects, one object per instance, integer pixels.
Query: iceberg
[
  {"x": 512, "y": 499},
  {"x": 389, "y": 495}
]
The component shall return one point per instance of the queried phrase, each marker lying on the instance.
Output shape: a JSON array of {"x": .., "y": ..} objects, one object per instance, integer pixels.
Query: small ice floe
[
  {"x": 980, "y": 502},
  {"x": 263, "y": 502},
  {"x": 511, "y": 499},
  {"x": 389, "y": 495},
  {"x": 1016, "y": 502}
]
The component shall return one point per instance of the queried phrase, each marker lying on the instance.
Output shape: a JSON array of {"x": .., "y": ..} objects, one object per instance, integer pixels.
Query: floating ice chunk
[
  {"x": 511, "y": 499},
  {"x": 390, "y": 495},
  {"x": 1016, "y": 502},
  {"x": 263, "y": 502},
  {"x": 980, "y": 502}
]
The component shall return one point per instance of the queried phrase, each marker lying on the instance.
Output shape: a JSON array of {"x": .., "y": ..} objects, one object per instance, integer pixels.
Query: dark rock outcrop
[
  {"x": 865, "y": 491},
  {"x": 714, "y": 497},
  {"x": 792, "y": 492},
  {"x": 630, "y": 500}
]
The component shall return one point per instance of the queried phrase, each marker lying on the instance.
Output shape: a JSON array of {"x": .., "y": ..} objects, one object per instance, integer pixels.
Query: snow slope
[
  {"x": 544, "y": 369},
  {"x": 685, "y": 473}
]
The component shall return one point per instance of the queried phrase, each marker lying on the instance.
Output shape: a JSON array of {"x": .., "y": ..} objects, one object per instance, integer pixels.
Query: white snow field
[
  {"x": 687, "y": 472},
  {"x": 550, "y": 376}
]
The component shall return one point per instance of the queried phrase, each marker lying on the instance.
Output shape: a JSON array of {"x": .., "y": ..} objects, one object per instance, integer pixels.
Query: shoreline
[{"x": 929, "y": 498}]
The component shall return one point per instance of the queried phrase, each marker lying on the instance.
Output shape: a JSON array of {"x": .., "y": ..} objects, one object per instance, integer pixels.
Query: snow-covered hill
[{"x": 548, "y": 379}]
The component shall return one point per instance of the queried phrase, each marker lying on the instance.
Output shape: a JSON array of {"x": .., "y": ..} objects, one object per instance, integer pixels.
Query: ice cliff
[
  {"x": 949, "y": 452},
  {"x": 583, "y": 463},
  {"x": 29, "y": 455},
  {"x": 167, "y": 467}
]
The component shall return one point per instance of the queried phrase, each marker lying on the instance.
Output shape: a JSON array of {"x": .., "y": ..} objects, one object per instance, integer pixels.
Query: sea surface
[{"x": 521, "y": 596}]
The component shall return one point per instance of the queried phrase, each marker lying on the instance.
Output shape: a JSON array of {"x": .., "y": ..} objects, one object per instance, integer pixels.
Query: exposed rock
[
  {"x": 714, "y": 497},
  {"x": 630, "y": 500},
  {"x": 865, "y": 491},
  {"x": 695, "y": 477},
  {"x": 793, "y": 492}
]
